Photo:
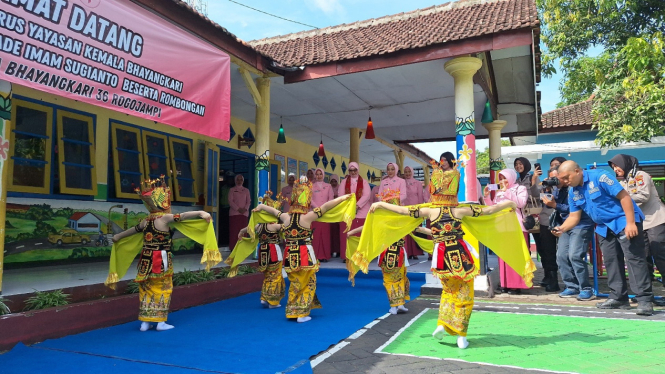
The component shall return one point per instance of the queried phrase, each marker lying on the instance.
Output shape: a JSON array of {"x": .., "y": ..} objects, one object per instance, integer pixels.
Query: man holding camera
[
  {"x": 572, "y": 244},
  {"x": 619, "y": 225}
]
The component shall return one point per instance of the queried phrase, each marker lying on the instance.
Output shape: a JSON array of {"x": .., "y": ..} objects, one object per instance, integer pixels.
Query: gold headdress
[
  {"x": 444, "y": 185},
  {"x": 301, "y": 196},
  {"x": 267, "y": 200},
  {"x": 156, "y": 195},
  {"x": 389, "y": 196}
]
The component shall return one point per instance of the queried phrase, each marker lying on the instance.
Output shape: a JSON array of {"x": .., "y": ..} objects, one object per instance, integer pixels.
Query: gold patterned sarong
[
  {"x": 456, "y": 305},
  {"x": 302, "y": 293},
  {"x": 273, "y": 287},
  {"x": 155, "y": 298},
  {"x": 397, "y": 285}
]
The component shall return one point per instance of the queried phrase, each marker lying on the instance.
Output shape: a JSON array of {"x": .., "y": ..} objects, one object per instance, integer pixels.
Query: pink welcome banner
[{"x": 118, "y": 55}]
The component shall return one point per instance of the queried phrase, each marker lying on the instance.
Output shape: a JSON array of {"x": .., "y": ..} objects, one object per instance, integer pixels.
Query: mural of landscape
[{"x": 55, "y": 230}]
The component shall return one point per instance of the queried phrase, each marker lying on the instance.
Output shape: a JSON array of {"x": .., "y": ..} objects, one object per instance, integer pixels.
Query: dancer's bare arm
[
  {"x": 486, "y": 211},
  {"x": 354, "y": 231},
  {"x": 128, "y": 232}
]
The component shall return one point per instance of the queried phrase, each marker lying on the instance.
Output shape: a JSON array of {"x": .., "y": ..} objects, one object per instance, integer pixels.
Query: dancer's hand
[
  {"x": 205, "y": 215},
  {"x": 374, "y": 207}
]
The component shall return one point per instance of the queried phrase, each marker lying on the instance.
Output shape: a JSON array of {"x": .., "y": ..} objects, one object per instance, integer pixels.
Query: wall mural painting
[{"x": 52, "y": 230}]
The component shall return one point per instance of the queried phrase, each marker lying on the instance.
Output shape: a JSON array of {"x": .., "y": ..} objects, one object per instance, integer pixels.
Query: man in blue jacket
[{"x": 619, "y": 225}]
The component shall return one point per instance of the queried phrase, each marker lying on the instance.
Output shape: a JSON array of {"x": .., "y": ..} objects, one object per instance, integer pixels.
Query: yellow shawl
[
  {"x": 342, "y": 212},
  {"x": 501, "y": 232},
  {"x": 126, "y": 249}
]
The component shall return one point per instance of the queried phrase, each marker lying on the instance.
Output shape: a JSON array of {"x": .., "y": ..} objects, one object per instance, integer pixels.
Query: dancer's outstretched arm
[
  {"x": 310, "y": 217},
  {"x": 423, "y": 230},
  {"x": 488, "y": 210},
  {"x": 354, "y": 231},
  {"x": 403, "y": 210},
  {"x": 128, "y": 232},
  {"x": 168, "y": 218}
]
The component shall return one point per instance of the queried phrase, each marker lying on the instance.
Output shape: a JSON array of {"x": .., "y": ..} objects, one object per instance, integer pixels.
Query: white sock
[
  {"x": 304, "y": 319},
  {"x": 402, "y": 308},
  {"x": 163, "y": 326},
  {"x": 393, "y": 310},
  {"x": 438, "y": 333},
  {"x": 145, "y": 326},
  {"x": 462, "y": 343},
  {"x": 274, "y": 306}
]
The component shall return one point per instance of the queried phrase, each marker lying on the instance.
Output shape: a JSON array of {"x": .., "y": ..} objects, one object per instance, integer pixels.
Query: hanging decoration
[
  {"x": 281, "y": 138},
  {"x": 343, "y": 167},
  {"x": 369, "y": 132},
  {"x": 325, "y": 161},
  {"x": 369, "y": 175},
  {"x": 333, "y": 164},
  {"x": 232, "y": 133},
  {"x": 322, "y": 152}
]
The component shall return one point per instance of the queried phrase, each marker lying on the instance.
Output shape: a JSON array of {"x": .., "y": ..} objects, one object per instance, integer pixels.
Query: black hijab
[
  {"x": 527, "y": 166},
  {"x": 560, "y": 159},
  {"x": 448, "y": 157},
  {"x": 627, "y": 163}
]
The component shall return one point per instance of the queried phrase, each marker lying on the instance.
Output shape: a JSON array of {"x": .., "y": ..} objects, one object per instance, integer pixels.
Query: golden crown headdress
[
  {"x": 301, "y": 196},
  {"x": 389, "y": 196},
  {"x": 444, "y": 185},
  {"x": 156, "y": 195},
  {"x": 267, "y": 200}
]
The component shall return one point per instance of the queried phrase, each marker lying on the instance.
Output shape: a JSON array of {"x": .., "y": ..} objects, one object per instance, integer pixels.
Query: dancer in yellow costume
[
  {"x": 393, "y": 262},
  {"x": 453, "y": 259},
  {"x": 270, "y": 255},
  {"x": 300, "y": 262},
  {"x": 152, "y": 237}
]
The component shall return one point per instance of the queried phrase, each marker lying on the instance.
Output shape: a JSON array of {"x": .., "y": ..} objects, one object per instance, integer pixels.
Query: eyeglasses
[{"x": 353, "y": 170}]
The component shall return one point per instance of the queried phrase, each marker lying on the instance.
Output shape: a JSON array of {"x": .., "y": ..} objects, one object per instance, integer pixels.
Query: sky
[{"x": 250, "y": 25}]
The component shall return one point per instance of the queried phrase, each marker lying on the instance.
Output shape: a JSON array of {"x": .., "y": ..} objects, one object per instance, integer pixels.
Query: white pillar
[{"x": 462, "y": 69}]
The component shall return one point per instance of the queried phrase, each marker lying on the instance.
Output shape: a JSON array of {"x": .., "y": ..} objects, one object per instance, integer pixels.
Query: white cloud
[{"x": 329, "y": 6}]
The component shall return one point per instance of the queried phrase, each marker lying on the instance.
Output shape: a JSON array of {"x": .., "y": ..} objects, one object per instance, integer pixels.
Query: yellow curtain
[
  {"x": 501, "y": 232},
  {"x": 126, "y": 249},
  {"x": 343, "y": 212}
]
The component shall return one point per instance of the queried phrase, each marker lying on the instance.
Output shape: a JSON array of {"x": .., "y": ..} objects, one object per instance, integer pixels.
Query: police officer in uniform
[
  {"x": 642, "y": 190},
  {"x": 619, "y": 225}
]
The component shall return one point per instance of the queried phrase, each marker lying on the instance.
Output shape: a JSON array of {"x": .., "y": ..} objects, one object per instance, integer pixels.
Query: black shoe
[
  {"x": 546, "y": 279},
  {"x": 344, "y": 261},
  {"x": 644, "y": 308},
  {"x": 514, "y": 291},
  {"x": 613, "y": 304},
  {"x": 324, "y": 260},
  {"x": 429, "y": 258},
  {"x": 553, "y": 282},
  {"x": 415, "y": 257},
  {"x": 659, "y": 302}
]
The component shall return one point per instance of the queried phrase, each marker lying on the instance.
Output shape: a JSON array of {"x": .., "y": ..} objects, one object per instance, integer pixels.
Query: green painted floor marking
[{"x": 557, "y": 343}]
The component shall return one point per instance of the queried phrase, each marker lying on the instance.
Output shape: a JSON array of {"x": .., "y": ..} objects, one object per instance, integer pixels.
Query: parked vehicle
[{"x": 68, "y": 236}]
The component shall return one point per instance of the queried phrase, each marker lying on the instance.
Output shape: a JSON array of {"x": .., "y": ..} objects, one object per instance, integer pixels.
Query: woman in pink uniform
[
  {"x": 414, "y": 196},
  {"x": 334, "y": 227},
  {"x": 393, "y": 182},
  {"x": 321, "y": 193},
  {"x": 239, "y": 202},
  {"x": 354, "y": 184},
  {"x": 510, "y": 190}
]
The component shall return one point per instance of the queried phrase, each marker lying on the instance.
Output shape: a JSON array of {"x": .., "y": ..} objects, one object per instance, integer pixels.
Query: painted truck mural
[{"x": 55, "y": 230}]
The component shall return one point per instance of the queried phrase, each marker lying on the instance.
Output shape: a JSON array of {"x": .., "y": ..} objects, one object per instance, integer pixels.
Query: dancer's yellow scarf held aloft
[
  {"x": 126, "y": 249},
  {"x": 501, "y": 232}
]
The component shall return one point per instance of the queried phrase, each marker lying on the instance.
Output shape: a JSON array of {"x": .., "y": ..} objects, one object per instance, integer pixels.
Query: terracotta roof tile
[
  {"x": 572, "y": 117},
  {"x": 420, "y": 28}
]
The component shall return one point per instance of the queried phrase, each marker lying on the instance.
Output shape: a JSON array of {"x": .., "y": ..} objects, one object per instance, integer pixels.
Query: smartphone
[
  {"x": 537, "y": 165},
  {"x": 493, "y": 187},
  {"x": 547, "y": 195}
]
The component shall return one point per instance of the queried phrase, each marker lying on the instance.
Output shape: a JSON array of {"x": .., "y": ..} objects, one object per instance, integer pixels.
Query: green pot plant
[
  {"x": 4, "y": 309},
  {"x": 46, "y": 299}
]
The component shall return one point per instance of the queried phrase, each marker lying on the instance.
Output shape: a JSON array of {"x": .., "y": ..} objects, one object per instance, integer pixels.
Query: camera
[{"x": 551, "y": 182}]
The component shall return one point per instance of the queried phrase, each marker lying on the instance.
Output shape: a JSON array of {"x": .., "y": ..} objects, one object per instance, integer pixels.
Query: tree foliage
[
  {"x": 483, "y": 158},
  {"x": 627, "y": 78}
]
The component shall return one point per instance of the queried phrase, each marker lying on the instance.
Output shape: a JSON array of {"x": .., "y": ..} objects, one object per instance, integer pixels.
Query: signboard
[{"x": 120, "y": 56}]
